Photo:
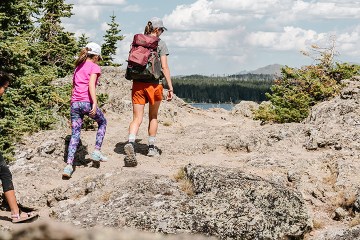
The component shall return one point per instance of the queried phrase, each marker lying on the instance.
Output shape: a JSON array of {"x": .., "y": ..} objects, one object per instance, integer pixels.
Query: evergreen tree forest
[
  {"x": 35, "y": 49},
  {"x": 223, "y": 89}
]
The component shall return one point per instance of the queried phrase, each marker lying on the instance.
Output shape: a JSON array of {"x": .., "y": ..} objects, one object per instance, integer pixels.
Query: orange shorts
[{"x": 143, "y": 93}]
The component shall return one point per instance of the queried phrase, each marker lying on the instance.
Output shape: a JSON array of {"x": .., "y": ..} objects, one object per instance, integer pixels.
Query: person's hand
[
  {"x": 93, "y": 110},
  {"x": 170, "y": 95}
]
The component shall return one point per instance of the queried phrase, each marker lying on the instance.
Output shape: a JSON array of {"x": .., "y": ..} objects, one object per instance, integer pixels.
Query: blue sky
[{"x": 227, "y": 36}]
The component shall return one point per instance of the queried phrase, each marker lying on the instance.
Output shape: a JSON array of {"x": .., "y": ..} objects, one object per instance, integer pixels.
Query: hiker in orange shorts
[{"x": 148, "y": 92}]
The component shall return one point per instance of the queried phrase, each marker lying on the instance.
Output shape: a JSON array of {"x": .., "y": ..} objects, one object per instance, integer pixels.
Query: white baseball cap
[
  {"x": 94, "y": 49},
  {"x": 157, "y": 23}
]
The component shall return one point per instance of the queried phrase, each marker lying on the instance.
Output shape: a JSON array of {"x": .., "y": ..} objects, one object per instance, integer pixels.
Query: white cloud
[
  {"x": 204, "y": 40},
  {"x": 131, "y": 8},
  {"x": 199, "y": 15},
  {"x": 235, "y": 34},
  {"x": 104, "y": 26},
  {"x": 348, "y": 43},
  {"x": 255, "y": 6},
  {"x": 86, "y": 14},
  {"x": 316, "y": 10},
  {"x": 292, "y": 38}
]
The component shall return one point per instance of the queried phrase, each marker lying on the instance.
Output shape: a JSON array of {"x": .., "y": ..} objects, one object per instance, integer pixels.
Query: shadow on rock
[
  {"x": 81, "y": 152},
  {"x": 140, "y": 148}
]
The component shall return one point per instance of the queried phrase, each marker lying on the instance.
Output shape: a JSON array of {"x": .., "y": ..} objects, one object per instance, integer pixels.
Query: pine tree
[
  {"x": 108, "y": 49},
  {"x": 83, "y": 40},
  {"x": 15, "y": 17},
  {"x": 15, "y": 23},
  {"x": 57, "y": 46}
]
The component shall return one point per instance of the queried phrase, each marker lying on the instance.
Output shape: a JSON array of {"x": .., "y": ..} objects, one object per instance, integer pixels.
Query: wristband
[{"x": 170, "y": 90}]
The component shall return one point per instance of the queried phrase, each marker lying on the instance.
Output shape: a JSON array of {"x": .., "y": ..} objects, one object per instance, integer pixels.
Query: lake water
[{"x": 226, "y": 106}]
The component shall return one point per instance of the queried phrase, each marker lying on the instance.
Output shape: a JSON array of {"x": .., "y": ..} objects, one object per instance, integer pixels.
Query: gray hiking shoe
[
  {"x": 152, "y": 151},
  {"x": 130, "y": 159},
  {"x": 98, "y": 156}
]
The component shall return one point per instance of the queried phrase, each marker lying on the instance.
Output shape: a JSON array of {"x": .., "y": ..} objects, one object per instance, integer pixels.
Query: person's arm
[
  {"x": 92, "y": 91},
  {"x": 166, "y": 71}
]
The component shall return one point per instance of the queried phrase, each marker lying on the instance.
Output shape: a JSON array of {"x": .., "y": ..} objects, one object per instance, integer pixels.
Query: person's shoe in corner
[
  {"x": 68, "y": 171},
  {"x": 98, "y": 156},
  {"x": 24, "y": 217},
  {"x": 130, "y": 159},
  {"x": 152, "y": 151}
]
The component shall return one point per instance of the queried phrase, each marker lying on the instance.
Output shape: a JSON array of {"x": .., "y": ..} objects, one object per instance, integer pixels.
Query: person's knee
[
  {"x": 137, "y": 120},
  {"x": 153, "y": 115},
  {"x": 102, "y": 122}
]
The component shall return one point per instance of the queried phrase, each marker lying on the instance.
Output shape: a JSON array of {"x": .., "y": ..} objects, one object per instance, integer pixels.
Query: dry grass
[
  {"x": 187, "y": 187},
  {"x": 355, "y": 221},
  {"x": 105, "y": 197},
  {"x": 318, "y": 224},
  {"x": 344, "y": 200},
  {"x": 185, "y": 184},
  {"x": 167, "y": 123},
  {"x": 180, "y": 175}
]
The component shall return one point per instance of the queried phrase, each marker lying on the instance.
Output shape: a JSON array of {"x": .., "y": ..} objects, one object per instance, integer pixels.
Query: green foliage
[
  {"x": 215, "y": 89},
  {"x": 83, "y": 40},
  {"x": 15, "y": 16},
  {"x": 108, "y": 49},
  {"x": 298, "y": 90},
  {"x": 14, "y": 55},
  {"x": 35, "y": 49},
  {"x": 27, "y": 108},
  {"x": 56, "y": 47}
]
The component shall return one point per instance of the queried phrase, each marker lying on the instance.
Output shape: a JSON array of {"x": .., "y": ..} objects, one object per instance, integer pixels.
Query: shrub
[{"x": 297, "y": 90}]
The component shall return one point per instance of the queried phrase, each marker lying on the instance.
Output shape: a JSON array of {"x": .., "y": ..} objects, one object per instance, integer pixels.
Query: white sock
[
  {"x": 152, "y": 140},
  {"x": 132, "y": 137}
]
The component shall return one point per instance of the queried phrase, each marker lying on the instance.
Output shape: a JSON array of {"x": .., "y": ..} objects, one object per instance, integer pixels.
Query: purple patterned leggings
[{"x": 78, "y": 111}]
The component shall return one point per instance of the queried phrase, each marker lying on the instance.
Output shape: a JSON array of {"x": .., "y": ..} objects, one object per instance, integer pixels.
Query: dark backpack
[{"x": 143, "y": 61}]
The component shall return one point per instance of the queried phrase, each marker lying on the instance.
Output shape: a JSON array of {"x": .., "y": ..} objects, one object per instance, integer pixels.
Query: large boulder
[{"x": 222, "y": 202}]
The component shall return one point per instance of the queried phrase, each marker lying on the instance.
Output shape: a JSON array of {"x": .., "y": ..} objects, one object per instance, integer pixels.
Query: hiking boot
[
  {"x": 130, "y": 159},
  {"x": 98, "y": 156},
  {"x": 152, "y": 151},
  {"x": 68, "y": 171}
]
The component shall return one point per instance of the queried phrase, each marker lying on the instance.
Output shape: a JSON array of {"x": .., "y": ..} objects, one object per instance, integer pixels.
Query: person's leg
[
  {"x": 153, "y": 121},
  {"x": 153, "y": 126},
  {"x": 11, "y": 200},
  {"x": 154, "y": 109},
  {"x": 138, "y": 113},
  {"x": 102, "y": 123},
  {"x": 8, "y": 188},
  {"x": 76, "y": 123}
]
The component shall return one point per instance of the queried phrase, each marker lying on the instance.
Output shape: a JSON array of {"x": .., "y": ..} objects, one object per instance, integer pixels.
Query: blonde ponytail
[{"x": 82, "y": 56}]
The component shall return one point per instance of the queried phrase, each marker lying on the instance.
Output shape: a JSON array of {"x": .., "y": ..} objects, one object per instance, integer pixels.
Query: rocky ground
[{"x": 220, "y": 174}]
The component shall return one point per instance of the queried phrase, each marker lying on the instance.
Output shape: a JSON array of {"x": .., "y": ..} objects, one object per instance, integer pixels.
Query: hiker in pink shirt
[{"x": 84, "y": 102}]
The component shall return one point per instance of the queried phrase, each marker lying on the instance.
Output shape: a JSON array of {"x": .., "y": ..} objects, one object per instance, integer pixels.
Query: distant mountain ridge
[{"x": 274, "y": 69}]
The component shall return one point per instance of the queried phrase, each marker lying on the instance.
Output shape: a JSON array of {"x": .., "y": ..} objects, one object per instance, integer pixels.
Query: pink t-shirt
[{"x": 81, "y": 79}]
